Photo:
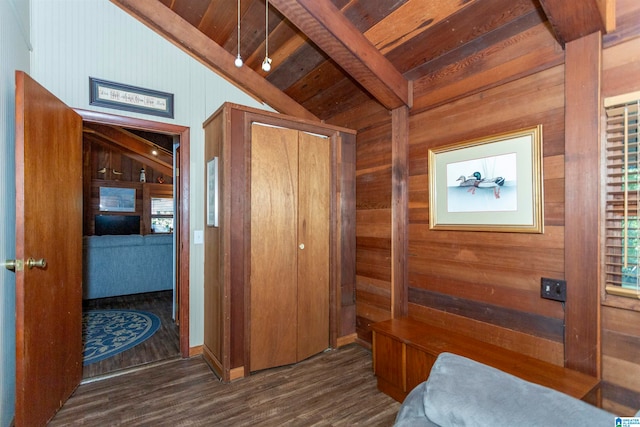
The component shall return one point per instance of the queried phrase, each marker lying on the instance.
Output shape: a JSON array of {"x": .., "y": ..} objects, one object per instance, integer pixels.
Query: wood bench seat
[{"x": 404, "y": 351}]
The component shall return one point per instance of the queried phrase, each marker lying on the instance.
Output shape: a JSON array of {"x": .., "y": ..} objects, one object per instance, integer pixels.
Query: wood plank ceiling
[
  {"x": 151, "y": 149},
  {"x": 329, "y": 56}
]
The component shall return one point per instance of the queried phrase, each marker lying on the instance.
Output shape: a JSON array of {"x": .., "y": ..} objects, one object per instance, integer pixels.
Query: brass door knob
[
  {"x": 40, "y": 263},
  {"x": 301, "y": 245},
  {"x": 18, "y": 265}
]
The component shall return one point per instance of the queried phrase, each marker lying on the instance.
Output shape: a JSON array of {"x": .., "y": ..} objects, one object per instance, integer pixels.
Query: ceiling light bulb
[
  {"x": 238, "y": 60},
  {"x": 154, "y": 152},
  {"x": 266, "y": 64}
]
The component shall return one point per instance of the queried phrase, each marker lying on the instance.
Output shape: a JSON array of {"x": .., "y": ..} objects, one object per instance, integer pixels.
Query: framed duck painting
[{"x": 488, "y": 184}]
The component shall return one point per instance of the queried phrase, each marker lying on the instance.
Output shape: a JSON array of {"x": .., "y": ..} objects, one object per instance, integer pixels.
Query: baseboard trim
[
  {"x": 213, "y": 363},
  {"x": 195, "y": 351},
  {"x": 236, "y": 373},
  {"x": 345, "y": 340},
  {"x": 128, "y": 370}
]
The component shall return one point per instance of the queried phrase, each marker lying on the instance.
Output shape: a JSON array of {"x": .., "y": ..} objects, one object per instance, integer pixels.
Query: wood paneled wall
[
  {"x": 485, "y": 283},
  {"x": 488, "y": 284},
  {"x": 108, "y": 163},
  {"x": 107, "y": 166},
  {"x": 373, "y": 227}
]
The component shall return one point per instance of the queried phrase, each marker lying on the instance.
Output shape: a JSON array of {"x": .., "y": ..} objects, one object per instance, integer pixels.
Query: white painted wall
[
  {"x": 61, "y": 43},
  {"x": 14, "y": 54},
  {"x": 75, "y": 39}
]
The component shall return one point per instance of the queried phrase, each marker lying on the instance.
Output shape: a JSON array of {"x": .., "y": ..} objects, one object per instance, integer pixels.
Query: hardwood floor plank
[
  {"x": 162, "y": 345},
  {"x": 335, "y": 388}
]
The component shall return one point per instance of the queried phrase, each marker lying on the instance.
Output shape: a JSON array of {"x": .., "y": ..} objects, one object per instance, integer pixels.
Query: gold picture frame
[{"x": 488, "y": 184}]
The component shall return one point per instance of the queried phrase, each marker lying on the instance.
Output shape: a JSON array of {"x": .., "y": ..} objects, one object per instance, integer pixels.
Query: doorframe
[{"x": 184, "y": 232}]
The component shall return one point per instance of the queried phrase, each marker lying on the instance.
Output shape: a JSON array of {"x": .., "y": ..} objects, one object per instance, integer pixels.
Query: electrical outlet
[{"x": 553, "y": 289}]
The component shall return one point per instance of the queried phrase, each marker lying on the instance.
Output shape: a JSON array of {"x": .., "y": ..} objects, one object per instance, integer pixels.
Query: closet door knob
[{"x": 301, "y": 245}]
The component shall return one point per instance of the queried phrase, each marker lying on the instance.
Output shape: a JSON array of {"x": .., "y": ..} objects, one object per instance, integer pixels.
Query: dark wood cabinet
[
  {"x": 390, "y": 365},
  {"x": 419, "y": 365}
]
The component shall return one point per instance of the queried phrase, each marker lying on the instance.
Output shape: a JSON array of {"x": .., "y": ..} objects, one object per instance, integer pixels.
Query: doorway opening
[{"x": 150, "y": 160}]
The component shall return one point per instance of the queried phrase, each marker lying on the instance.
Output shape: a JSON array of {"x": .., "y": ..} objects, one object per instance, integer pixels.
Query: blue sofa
[
  {"x": 463, "y": 392},
  {"x": 123, "y": 265}
]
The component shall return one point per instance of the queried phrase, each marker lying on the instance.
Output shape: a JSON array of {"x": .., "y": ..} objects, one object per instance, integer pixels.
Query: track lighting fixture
[
  {"x": 238, "y": 60},
  {"x": 266, "y": 64}
]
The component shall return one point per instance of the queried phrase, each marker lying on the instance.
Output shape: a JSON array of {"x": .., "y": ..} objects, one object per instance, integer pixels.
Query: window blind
[
  {"x": 161, "y": 206},
  {"x": 622, "y": 210}
]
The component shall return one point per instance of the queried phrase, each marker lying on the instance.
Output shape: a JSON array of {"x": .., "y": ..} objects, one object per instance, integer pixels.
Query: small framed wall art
[
  {"x": 114, "y": 199},
  {"x": 212, "y": 192},
  {"x": 488, "y": 184},
  {"x": 103, "y": 93}
]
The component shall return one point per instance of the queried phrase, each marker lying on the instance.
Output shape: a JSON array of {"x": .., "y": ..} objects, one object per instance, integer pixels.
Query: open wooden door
[{"x": 48, "y": 264}]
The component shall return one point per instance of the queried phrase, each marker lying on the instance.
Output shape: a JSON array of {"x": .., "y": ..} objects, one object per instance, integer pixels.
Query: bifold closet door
[
  {"x": 274, "y": 219},
  {"x": 313, "y": 233},
  {"x": 289, "y": 292}
]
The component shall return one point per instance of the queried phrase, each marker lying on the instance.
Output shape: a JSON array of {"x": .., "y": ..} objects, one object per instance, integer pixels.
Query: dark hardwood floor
[
  {"x": 335, "y": 388},
  {"x": 162, "y": 345}
]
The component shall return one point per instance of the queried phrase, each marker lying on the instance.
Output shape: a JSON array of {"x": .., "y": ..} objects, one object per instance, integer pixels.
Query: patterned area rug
[{"x": 106, "y": 333}]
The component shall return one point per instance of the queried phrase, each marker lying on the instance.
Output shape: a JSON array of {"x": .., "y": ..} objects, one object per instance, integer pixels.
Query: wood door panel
[
  {"x": 389, "y": 360},
  {"x": 273, "y": 299},
  {"x": 419, "y": 364},
  {"x": 313, "y": 233},
  {"x": 49, "y": 226}
]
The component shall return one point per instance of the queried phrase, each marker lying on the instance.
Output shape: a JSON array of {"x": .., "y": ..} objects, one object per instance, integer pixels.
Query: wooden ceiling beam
[
  {"x": 572, "y": 20},
  {"x": 332, "y": 32},
  {"x": 181, "y": 33},
  {"x": 97, "y": 139},
  {"x": 137, "y": 148}
]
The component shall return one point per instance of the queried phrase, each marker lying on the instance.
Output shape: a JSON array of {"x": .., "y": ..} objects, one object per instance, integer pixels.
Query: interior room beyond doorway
[{"x": 133, "y": 227}]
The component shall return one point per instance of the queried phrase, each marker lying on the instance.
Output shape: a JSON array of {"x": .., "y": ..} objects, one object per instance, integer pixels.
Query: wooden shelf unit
[
  {"x": 144, "y": 193},
  {"x": 404, "y": 350}
]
